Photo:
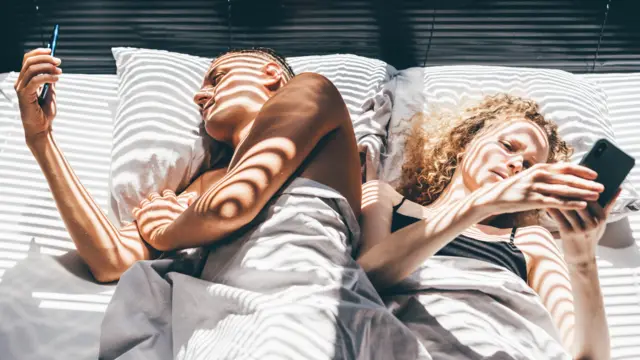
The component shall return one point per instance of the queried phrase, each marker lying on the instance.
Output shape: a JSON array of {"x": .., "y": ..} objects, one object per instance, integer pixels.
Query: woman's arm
[
  {"x": 571, "y": 294},
  {"x": 387, "y": 257}
]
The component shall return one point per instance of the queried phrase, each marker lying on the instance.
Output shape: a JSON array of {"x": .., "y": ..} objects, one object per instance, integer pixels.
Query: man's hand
[
  {"x": 158, "y": 211},
  {"x": 38, "y": 68}
]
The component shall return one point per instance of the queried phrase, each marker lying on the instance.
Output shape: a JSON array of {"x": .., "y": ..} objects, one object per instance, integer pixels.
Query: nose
[
  {"x": 201, "y": 98},
  {"x": 515, "y": 164}
]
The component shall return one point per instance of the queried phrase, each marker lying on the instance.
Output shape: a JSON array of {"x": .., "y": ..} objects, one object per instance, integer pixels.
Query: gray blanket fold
[
  {"x": 286, "y": 288},
  {"x": 470, "y": 309}
]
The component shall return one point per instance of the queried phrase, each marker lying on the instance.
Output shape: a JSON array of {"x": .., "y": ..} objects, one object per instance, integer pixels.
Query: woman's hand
[
  {"x": 158, "y": 211},
  {"x": 580, "y": 230},
  {"x": 562, "y": 186},
  {"x": 38, "y": 68}
]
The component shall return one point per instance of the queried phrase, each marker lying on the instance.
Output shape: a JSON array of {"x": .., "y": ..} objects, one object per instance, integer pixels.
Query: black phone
[
  {"x": 53, "y": 43},
  {"x": 612, "y": 165}
]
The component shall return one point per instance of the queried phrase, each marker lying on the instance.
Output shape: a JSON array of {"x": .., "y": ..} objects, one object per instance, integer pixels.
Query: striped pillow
[
  {"x": 576, "y": 105},
  {"x": 156, "y": 142}
]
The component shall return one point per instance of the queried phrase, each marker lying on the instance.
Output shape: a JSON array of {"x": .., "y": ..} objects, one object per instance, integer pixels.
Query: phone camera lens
[{"x": 600, "y": 149}]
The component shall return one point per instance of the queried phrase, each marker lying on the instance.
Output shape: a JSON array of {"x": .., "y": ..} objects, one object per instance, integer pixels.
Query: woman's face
[{"x": 503, "y": 151}]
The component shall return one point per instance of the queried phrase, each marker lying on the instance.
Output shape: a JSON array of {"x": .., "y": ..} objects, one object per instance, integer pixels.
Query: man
[{"x": 279, "y": 223}]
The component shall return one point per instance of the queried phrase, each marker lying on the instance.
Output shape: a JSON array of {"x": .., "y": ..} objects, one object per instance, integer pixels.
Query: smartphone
[
  {"x": 53, "y": 43},
  {"x": 612, "y": 165}
]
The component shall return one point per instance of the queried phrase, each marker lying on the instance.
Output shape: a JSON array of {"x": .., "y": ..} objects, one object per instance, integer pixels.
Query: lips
[
  {"x": 207, "y": 110},
  {"x": 499, "y": 174}
]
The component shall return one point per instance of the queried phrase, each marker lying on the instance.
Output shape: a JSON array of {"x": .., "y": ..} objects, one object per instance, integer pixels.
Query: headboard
[{"x": 580, "y": 36}]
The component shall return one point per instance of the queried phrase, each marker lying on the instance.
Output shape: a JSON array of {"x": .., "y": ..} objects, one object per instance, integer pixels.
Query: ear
[{"x": 274, "y": 76}]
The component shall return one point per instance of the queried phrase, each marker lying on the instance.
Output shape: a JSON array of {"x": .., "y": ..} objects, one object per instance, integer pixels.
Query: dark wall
[{"x": 562, "y": 34}]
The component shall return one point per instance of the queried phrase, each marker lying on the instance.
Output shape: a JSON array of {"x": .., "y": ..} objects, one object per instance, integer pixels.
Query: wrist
[
  {"x": 482, "y": 205},
  {"x": 37, "y": 142},
  {"x": 581, "y": 263}
]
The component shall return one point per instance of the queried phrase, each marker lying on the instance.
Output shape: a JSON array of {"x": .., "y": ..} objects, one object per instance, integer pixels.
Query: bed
[{"x": 53, "y": 309}]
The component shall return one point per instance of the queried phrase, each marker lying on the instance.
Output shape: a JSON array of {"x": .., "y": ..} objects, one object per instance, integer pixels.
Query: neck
[{"x": 241, "y": 133}]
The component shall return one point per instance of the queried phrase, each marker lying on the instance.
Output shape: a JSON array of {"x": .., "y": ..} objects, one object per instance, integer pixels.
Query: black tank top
[{"x": 501, "y": 253}]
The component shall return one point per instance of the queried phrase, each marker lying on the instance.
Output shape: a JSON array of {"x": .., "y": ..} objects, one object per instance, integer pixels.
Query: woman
[
  {"x": 458, "y": 250},
  {"x": 279, "y": 280}
]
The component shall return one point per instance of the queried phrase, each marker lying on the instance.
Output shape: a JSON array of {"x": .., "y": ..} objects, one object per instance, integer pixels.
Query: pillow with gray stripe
[
  {"x": 156, "y": 140},
  {"x": 578, "y": 106}
]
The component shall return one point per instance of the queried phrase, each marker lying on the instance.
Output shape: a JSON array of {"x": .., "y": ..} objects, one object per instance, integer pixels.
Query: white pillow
[
  {"x": 156, "y": 143},
  {"x": 576, "y": 105}
]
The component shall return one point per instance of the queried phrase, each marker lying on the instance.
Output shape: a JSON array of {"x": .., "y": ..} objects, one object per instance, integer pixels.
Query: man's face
[{"x": 234, "y": 89}]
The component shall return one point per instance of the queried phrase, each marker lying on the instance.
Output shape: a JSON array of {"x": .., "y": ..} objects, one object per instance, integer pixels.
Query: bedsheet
[
  {"x": 50, "y": 307},
  {"x": 65, "y": 308}
]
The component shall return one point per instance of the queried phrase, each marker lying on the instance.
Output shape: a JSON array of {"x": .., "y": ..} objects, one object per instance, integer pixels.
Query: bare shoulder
[
  {"x": 379, "y": 191},
  {"x": 537, "y": 241},
  {"x": 206, "y": 180}
]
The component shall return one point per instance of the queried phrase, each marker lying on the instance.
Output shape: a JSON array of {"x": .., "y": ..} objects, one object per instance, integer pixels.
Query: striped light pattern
[
  {"x": 23, "y": 187},
  {"x": 156, "y": 145},
  {"x": 576, "y": 105},
  {"x": 42, "y": 306},
  {"x": 620, "y": 268},
  {"x": 82, "y": 129},
  {"x": 606, "y": 105}
]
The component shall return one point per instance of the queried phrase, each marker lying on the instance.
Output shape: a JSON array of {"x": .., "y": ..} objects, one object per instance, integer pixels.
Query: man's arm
[
  {"x": 107, "y": 250},
  {"x": 286, "y": 130}
]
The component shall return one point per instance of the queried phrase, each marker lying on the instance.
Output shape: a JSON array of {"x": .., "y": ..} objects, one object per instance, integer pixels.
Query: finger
[
  {"x": 565, "y": 191},
  {"x": 587, "y": 218},
  {"x": 40, "y": 80},
  {"x": 144, "y": 203},
  {"x": 153, "y": 196},
  {"x": 36, "y": 52},
  {"x": 135, "y": 212},
  {"x": 168, "y": 193},
  {"x": 575, "y": 181},
  {"x": 40, "y": 59},
  {"x": 573, "y": 219},
  {"x": 561, "y": 203},
  {"x": 34, "y": 71},
  {"x": 574, "y": 169},
  {"x": 562, "y": 222},
  {"x": 186, "y": 199},
  {"x": 49, "y": 99},
  {"x": 183, "y": 201},
  {"x": 192, "y": 198}
]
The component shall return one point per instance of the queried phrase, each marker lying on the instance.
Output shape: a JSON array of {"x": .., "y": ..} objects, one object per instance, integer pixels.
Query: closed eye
[
  {"x": 507, "y": 145},
  {"x": 216, "y": 78}
]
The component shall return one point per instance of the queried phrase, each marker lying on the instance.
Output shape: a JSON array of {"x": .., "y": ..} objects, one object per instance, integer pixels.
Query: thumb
[{"x": 186, "y": 199}]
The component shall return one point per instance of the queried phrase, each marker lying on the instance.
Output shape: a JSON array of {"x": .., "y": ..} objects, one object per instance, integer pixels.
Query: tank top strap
[{"x": 395, "y": 208}]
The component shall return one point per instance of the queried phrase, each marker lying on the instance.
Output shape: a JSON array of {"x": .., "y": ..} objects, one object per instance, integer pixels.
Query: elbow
[
  {"x": 591, "y": 357},
  {"x": 109, "y": 271},
  {"x": 375, "y": 274},
  {"x": 103, "y": 276},
  {"x": 597, "y": 355},
  {"x": 597, "y": 351}
]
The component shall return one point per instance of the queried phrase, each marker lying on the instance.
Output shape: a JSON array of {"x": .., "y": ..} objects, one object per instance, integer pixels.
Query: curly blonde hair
[{"x": 434, "y": 145}]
